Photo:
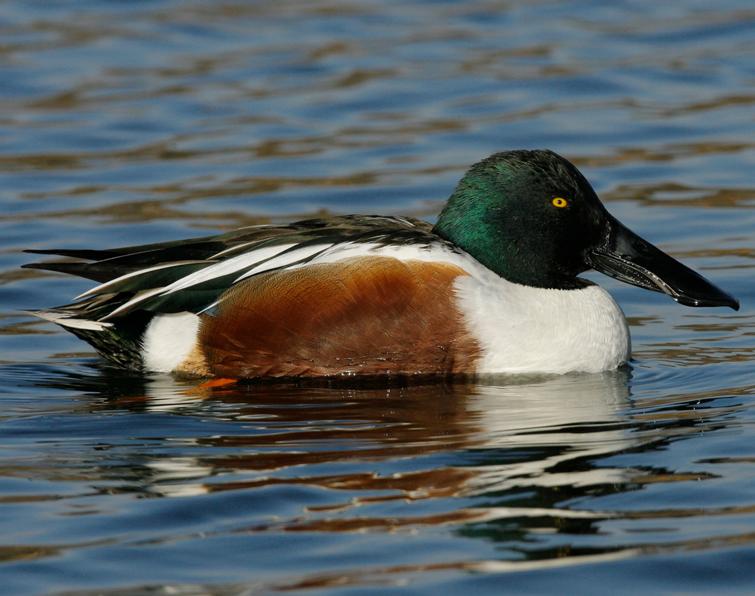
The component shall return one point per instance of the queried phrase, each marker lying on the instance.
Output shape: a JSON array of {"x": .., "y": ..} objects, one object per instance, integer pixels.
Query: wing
[{"x": 191, "y": 275}]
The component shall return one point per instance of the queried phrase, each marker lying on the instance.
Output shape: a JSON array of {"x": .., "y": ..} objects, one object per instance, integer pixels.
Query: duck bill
[{"x": 633, "y": 260}]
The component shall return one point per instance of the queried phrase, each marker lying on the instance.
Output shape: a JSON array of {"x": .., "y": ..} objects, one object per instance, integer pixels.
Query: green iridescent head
[
  {"x": 527, "y": 215},
  {"x": 533, "y": 218}
]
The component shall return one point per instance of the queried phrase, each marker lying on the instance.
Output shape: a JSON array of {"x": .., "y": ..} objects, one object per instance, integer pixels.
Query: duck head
[{"x": 533, "y": 218}]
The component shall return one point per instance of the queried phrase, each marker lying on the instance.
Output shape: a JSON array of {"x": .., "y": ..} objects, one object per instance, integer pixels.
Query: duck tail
[
  {"x": 120, "y": 344},
  {"x": 69, "y": 320}
]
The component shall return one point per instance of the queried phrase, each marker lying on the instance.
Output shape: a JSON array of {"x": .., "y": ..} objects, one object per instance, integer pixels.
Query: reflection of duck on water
[
  {"x": 550, "y": 429},
  {"x": 493, "y": 287},
  {"x": 515, "y": 463},
  {"x": 461, "y": 439}
]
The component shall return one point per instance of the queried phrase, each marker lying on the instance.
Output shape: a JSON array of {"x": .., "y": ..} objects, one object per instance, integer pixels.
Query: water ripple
[{"x": 138, "y": 122}]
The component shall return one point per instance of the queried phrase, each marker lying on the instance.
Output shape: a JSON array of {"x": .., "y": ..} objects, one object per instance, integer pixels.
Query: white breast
[{"x": 522, "y": 329}]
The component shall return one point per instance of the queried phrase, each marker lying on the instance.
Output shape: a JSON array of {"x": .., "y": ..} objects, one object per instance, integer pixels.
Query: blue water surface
[{"x": 134, "y": 122}]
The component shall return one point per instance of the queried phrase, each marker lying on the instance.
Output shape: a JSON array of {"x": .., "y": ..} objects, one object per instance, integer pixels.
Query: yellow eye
[{"x": 559, "y": 202}]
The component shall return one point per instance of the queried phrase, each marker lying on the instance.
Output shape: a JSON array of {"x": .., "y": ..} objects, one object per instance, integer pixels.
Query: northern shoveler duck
[{"x": 493, "y": 287}]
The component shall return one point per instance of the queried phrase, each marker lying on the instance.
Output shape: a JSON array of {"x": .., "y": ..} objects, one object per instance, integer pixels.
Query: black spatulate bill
[{"x": 633, "y": 260}]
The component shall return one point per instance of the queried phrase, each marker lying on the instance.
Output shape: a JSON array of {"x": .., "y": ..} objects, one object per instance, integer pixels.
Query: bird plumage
[{"x": 493, "y": 287}]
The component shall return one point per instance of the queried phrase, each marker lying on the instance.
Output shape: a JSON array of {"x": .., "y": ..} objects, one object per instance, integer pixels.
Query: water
[{"x": 126, "y": 122}]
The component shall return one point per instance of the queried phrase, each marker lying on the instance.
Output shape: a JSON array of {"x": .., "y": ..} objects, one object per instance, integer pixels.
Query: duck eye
[{"x": 559, "y": 202}]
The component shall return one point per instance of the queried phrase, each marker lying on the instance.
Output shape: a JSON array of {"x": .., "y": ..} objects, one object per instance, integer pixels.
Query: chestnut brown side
[{"x": 365, "y": 315}]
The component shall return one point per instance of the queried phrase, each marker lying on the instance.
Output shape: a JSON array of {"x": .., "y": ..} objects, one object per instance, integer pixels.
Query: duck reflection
[
  {"x": 397, "y": 443},
  {"x": 544, "y": 433},
  {"x": 488, "y": 452}
]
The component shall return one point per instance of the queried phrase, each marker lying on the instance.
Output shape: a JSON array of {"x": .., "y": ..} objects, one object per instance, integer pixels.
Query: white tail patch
[
  {"x": 168, "y": 341},
  {"x": 65, "y": 320}
]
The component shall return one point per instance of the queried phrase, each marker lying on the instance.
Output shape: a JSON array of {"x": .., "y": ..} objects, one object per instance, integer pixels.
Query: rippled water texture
[{"x": 131, "y": 122}]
